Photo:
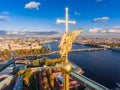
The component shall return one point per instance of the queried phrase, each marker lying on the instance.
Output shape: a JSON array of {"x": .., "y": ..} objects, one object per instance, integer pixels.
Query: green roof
[
  {"x": 86, "y": 89},
  {"x": 89, "y": 82}
]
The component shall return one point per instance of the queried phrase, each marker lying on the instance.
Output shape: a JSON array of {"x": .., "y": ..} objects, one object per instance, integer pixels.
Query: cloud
[
  {"x": 3, "y": 18},
  {"x": 5, "y": 12},
  {"x": 113, "y": 29},
  {"x": 116, "y": 27},
  {"x": 76, "y": 13},
  {"x": 102, "y": 19},
  {"x": 99, "y": 0},
  {"x": 32, "y": 5}
]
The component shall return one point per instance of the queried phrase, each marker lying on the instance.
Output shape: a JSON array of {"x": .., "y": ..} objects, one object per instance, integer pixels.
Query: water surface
[{"x": 101, "y": 66}]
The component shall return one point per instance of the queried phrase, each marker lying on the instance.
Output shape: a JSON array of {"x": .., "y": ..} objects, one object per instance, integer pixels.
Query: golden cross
[{"x": 66, "y": 20}]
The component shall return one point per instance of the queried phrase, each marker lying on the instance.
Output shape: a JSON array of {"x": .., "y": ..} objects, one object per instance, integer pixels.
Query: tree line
[
  {"x": 23, "y": 52},
  {"x": 47, "y": 62}
]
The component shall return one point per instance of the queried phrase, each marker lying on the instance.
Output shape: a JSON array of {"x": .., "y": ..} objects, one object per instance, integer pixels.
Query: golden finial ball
[{"x": 66, "y": 67}]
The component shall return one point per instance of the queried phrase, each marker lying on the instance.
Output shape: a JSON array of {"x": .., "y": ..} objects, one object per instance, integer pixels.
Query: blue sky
[{"x": 42, "y": 14}]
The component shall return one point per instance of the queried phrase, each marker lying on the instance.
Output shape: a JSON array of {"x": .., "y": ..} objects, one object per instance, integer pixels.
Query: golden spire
[{"x": 65, "y": 46}]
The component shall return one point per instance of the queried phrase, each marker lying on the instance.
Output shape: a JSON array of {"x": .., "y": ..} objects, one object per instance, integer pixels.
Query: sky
[{"x": 42, "y": 14}]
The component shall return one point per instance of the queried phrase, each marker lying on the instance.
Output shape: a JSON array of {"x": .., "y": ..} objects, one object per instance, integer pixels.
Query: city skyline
[{"x": 42, "y": 14}]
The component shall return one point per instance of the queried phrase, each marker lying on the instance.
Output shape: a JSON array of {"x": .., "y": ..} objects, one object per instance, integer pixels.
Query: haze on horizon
[{"x": 41, "y": 15}]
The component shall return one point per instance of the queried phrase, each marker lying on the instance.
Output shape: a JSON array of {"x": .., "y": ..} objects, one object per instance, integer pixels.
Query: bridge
[
  {"x": 81, "y": 50},
  {"x": 87, "y": 49}
]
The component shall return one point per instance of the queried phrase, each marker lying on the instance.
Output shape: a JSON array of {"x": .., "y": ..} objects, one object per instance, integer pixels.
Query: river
[{"x": 100, "y": 66}]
